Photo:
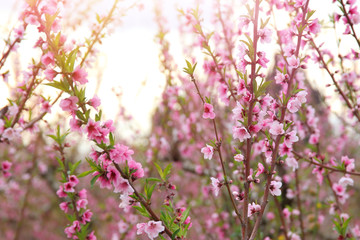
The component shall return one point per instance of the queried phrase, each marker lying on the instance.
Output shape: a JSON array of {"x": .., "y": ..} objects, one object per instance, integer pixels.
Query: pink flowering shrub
[{"x": 242, "y": 144}]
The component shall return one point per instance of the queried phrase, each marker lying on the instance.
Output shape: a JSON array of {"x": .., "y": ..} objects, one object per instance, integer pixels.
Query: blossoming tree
[{"x": 242, "y": 145}]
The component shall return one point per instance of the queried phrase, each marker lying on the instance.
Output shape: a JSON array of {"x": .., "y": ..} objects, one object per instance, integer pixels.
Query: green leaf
[
  {"x": 142, "y": 211},
  {"x": 167, "y": 171},
  {"x": 185, "y": 214},
  {"x": 173, "y": 236},
  {"x": 83, "y": 174},
  {"x": 150, "y": 191},
  {"x": 153, "y": 179},
  {"x": 71, "y": 60},
  {"x": 60, "y": 163},
  {"x": 160, "y": 171},
  {"x": 93, "y": 180},
  {"x": 112, "y": 139},
  {"x": 73, "y": 168},
  {"x": 59, "y": 85}
]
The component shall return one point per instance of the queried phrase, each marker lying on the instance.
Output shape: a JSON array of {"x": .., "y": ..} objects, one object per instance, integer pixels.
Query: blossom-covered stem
[
  {"x": 338, "y": 206},
  {"x": 217, "y": 67},
  {"x": 343, "y": 95},
  {"x": 278, "y": 138},
  {"x": 324, "y": 166},
  {"x": 349, "y": 22},
  {"x": 38, "y": 118},
  {"x": 141, "y": 199},
  {"x": 298, "y": 200},
  {"x": 29, "y": 90},
  {"x": 249, "y": 122},
  {"x": 103, "y": 25},
  {"x": 27, "y": 194},
  {"x": 62, "y": 154},
  {"x": 228, "y": 42},
  {"x": 267, "y": 189},
  {"x": 282, "y": 218},
  {"x": 7, "y": 53},
  {"x": 218, "y": 141}
]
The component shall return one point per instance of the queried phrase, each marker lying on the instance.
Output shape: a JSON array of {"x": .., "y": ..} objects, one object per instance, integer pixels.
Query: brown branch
[
  {"x": 349, "y": 22},
  {"x": 218, "y": 149},
  {"x": 278, "y": 138},
  {"x": 141, "y": 200},
  {"x": 325, "y": 166},
  {"x": 35, "y": 120},
  {"x": 298, "y": 200},
  {"x": 355, "y": 111},
  {"x": 27, "y": 194},
  {"x": 282, "y": 218}
]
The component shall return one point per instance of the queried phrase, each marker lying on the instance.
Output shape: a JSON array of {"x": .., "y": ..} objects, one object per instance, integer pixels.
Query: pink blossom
[
  {"x": 276, "y": 128},
  {"x": 208, "y": 111},
  {"x": 81, "y": 204},
  {"x": 19, "y": 32},
  {"x": 260, "y": 169},
  {"x": 48, "y": 59},
  {"x": 345, "y": 181},
  {"x": 238, "y": 111},
  {"x": 293, "y": 105},
  {"x": 69, "y": 187},
  {"x": 60, "y": 192},
  {"x": 275, "y": 188},
  {"x": 238, "y": 196},
  {"x": 50, "y": 7},
  {"x": 75, "y": 125},
  {"x": 240, "y": 133},
  {"x": 95, "y": 102},
  {"x": 349, "y": 163},
  {"x": 6, "y": 165},
  {"x": 137, "y": 168},
  {"x": 239, "y": 157},
  {"x": 121, "y": 153},
  {"x": 73, "y": 179},
  {"x": 32, "y": 20},
  {"x": 290, "y": 138},
  {"x": 301, "y": 96},
  {"x": 123, "y": 186},
  {"x": 314, "y": 26},
  {"x": 314, "y": 138},
  {"x": 299, "y": 3},
  {"x": 243, "y": 22},
  {"x": 265, "y": 35},
  {"x": 80, "y": 75},
  {"x": 140, "y": 228},
  {"x": 253, "y": 208},
  {"x": 13, "y": 110},
  {"x": 91, "y": 236},
  {"x": 69, "y": 104},
  {"x": 153, "y": 228},
  {"x": 216, "y": 185},
  {"x": 64, "y": 206},
  {"x": 113, "y": 174},
  {"x": 338, "y": 189},
  {"x": 96, "y": 132},
  {"x": 126, "y": 201},
  {"x": 291, "y": 162},
  {"x": 45, "y": 107},
  {"x": 82, "y": 193},
  {"x": 208, "y": 151},
  {"x": 262, "y": 60},
  {"x": 281, "y": 78},
  {"x": 50, "y": 73},
  {"x": 294, "y": 62},
  {"x": 123, "y": 227}
]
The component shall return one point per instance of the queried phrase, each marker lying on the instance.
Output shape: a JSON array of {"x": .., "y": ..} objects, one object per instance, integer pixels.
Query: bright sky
[{"x": 129, "y": 57}]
